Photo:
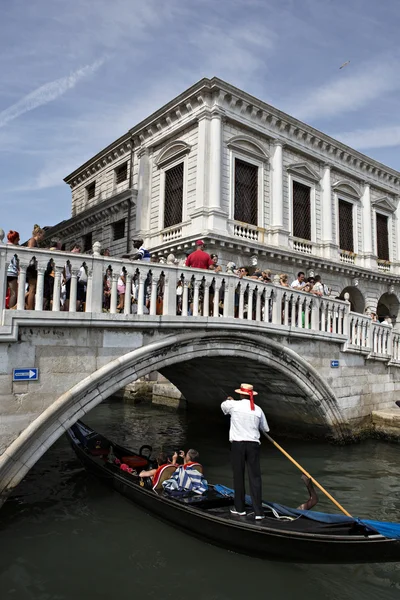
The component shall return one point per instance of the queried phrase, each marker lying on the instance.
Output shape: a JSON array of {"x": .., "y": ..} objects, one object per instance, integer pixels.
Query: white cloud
[
  {"x": 351, "y": 90},
  {"x": 47, "y": 93},
  {"x": 379, "y": 137}
]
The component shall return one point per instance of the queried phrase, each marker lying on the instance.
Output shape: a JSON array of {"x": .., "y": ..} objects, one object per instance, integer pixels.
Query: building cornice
[
  {"x": 94, "y": 214},
  {"x": 210, "y": 95}
]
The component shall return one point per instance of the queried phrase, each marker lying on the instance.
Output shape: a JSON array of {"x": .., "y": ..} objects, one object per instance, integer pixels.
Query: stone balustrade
[{"x": 166, "y": 291}]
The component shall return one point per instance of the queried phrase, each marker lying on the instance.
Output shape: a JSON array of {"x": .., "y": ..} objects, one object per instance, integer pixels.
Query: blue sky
[{"x": 77, "y": 74}]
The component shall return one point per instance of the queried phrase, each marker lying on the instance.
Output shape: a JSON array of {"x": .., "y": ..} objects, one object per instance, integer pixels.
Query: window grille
[
  {"x": 382, "y": 236},
  {"x": 119, "y": 230},
  {"x": 301, "y": 211},
  {"x": 173, "y": 198},
  {"x": 91, "y": 190},
  {"x": 346, "y": 236},
  {"x": 121, "y": 173},
  {"x": 87, "y": 242},
  {"x": 246, "y": 192}
]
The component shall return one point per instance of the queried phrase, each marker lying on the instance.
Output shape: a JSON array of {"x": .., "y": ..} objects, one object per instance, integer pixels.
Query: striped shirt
[
  {"x": 245, "y": 423},
  {"x": 144, "y": 254}
]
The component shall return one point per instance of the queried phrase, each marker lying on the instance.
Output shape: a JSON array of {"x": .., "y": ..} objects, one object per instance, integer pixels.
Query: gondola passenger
[{"x": 162, "y": 462}]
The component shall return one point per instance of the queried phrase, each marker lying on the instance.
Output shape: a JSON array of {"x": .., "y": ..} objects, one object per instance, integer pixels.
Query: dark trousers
[{"x": 247, "y": 453}]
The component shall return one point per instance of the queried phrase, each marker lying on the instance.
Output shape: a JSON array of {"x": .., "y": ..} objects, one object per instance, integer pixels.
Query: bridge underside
[
  {"x": 204, "y": 381},
  {"x": 205, "y": 366}
]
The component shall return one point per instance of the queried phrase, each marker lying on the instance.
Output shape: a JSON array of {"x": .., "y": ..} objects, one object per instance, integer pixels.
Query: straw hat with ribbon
[{"x": 248, "y": 390}]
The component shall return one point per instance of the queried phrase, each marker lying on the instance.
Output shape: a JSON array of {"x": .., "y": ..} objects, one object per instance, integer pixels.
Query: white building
[{"x": 218, "y": 164}]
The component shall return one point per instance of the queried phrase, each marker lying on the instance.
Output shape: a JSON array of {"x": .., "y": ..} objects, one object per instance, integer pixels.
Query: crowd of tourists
[{"x": 198, "y": 259}]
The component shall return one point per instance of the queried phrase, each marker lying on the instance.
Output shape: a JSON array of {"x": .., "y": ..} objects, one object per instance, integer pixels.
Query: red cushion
[{"x": 135, "y": 462}]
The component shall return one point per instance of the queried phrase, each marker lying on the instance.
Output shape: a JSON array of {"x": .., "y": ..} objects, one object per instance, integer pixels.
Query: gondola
[{"x": 295, "y": 539}]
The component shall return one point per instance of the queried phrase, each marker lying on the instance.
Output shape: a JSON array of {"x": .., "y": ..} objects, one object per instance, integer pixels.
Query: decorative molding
[
  {"x": 347, "y": 187},
  {"x": 248, "y": 145},
  {"x": 303, "y": 170},
  {"x": 171, "y": 152},
  {"x": 384, "y": 203},
  {"x": 95, "y": 214}
]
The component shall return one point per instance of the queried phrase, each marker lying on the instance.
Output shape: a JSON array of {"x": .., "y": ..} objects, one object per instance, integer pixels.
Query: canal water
[{"x": 66, "y": 537}]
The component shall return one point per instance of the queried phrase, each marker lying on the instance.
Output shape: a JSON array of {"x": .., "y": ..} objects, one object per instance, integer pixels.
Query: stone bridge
[{"x": 217, "y": 333}]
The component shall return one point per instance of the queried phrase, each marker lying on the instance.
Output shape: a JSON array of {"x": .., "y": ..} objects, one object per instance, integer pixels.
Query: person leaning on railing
[{"x": 13, "y": 270}]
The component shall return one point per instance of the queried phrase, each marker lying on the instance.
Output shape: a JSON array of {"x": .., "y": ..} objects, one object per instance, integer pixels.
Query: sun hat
[{"x": 246, "y": 388}]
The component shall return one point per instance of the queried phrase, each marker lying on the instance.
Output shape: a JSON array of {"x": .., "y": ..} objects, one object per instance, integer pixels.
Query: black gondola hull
[{"x": 242, "y": 535}]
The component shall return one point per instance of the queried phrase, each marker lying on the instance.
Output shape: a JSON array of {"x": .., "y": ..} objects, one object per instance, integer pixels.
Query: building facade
[{"x": 256, "y": 184}]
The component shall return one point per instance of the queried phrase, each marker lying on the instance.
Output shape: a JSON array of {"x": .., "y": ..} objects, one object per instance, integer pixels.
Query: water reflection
[{"x": 66, "y": 537}]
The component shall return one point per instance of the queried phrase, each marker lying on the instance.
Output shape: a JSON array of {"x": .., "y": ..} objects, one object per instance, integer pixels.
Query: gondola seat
[
  {"x": 165, "y": 473},
  {"x": 198, "y": 467}
]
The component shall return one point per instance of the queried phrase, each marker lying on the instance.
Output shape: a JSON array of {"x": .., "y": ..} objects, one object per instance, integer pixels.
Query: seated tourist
[
  {"x": 187, "y": 478},
  {"x": 162, "y": 462},
  {"x": 190, "y": 460}
]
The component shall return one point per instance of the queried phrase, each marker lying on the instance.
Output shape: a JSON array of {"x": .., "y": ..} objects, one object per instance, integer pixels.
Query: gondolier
[{"x": 247, "y": 419}]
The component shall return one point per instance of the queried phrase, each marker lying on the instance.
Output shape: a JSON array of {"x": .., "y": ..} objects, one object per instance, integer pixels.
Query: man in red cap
[
  {"x": 199, "y": 259},
  {"x": 247, "y": 419}
]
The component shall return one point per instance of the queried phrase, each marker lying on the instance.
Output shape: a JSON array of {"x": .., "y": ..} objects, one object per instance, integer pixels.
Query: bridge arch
[{"x": 185, "y": 359}]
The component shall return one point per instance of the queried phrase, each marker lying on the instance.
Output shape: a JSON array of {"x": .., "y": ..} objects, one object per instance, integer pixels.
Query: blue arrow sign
[
  {"x": 31, "y": 374},
  {"x": 334, "y": 364}
]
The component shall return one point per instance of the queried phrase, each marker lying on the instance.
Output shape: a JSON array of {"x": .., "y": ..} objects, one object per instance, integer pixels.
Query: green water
[{"x": 66, "y": 537}]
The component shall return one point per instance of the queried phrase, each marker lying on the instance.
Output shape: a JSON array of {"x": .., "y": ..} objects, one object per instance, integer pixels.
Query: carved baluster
[
  {"x": 380, "y": 341},
  {"x": 196, "y": 296},
  {"x": 250, "y": 304},
  {"x": 315, "y": 304},
  {"x": 307, "y": 309},
  {"x": 286, "y": 309},
  {"x": 294, "y": 299},
  {"x": 73, "y": 291},
  {"x": 217, "y": 288},
  {"x": 258, "y": 303},
  {"x": 206, "y": 299},
  {"x": 241, "y": 299},
  {"x": 267, "y": 301},
  {"x": 21, "y": 285},
  {"x": 170, "y": 296},
  {"x": 128, "y": 294},
  {"x": 299, "y": 321},
  {"x": 89, "y": 291},
  {"x": 114, "y": 291},
  {"x": 39, "y": 287},
  {"x": 153, "y": 295},
  {"x": 185, "y": 297},
  {"x": 277, "y": 305},
  {"x": 58, "y": 271},
  {"x": 229, "y": 297},
  {"x": 323, "y": 315},
  {"x": 141, "y": 293},
  {"x": 335, "y": 318},
  {"x": 329, "y": 321}
]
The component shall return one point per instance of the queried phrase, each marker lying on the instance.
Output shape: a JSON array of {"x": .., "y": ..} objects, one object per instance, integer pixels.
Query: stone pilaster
[
  {"x": 369, "y": 258},
  {"x": 329, "y": 249},
  {"x": 278, "y": 236}
]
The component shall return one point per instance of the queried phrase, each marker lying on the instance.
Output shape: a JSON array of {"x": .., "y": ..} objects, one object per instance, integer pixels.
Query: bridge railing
[{"x": 98, "y": 285}]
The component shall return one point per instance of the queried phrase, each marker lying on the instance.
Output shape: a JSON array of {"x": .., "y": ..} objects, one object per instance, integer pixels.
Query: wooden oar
[{"x": 315, "y": 482}]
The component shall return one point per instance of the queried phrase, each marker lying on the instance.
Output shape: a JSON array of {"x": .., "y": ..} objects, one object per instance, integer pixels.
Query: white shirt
[
  {"x": 297, "y": 284},
  {"x": 245, "y": 423}
]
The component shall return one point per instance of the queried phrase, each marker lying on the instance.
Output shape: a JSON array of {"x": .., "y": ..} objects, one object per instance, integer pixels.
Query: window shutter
[
  {"x": 91, "y": 190},
  {"x": 346, "y": 237},
  {"x": 119, "y": 230},
  {"x": 301, "y": 211},
  {"x": 382, "y": 236},
  {"x": 121, "y": 173},
  {"x": 246, "y": 192},
  {"x": 173, "y": 198}
]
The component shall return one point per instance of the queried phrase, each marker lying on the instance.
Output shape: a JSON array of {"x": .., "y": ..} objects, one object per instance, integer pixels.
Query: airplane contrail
[{"x": 47, "y": 93}]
